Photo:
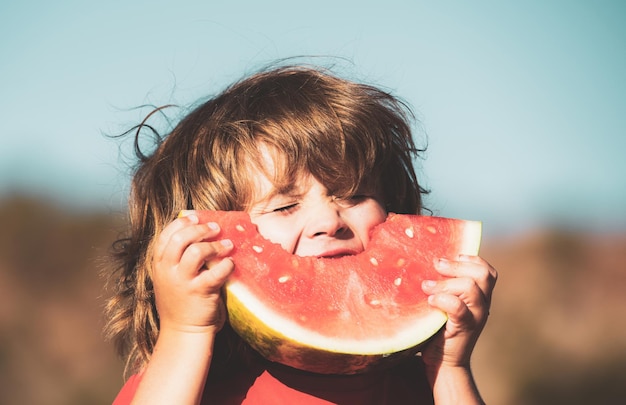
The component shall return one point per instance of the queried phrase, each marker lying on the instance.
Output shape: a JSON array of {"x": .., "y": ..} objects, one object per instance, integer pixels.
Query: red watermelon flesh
[{"x": 340, "y": 315}]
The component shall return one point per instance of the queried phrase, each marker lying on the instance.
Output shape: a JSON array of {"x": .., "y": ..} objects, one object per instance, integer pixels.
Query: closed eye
[
  {"x": 352, "y": 200},
  {"x": 286, "y": 208}
]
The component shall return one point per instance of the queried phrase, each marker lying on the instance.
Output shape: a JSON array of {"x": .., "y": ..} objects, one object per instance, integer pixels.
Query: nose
[{"x": 326, "y": 220}]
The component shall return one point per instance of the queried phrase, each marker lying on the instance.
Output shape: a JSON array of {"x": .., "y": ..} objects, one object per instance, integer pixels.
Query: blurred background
[{"x": 522, "y": 106}]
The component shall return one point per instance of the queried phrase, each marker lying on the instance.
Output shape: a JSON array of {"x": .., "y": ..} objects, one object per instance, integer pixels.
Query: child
[{"x": 317, "y": 161}]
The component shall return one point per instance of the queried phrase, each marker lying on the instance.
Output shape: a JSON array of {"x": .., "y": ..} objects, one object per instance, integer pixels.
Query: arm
[
  {"x": 189, "y": 269},
  {"x": 466, "y": 298}
]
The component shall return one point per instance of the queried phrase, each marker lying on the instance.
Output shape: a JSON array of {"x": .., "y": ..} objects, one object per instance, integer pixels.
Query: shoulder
[{"x": 126, "y": 394}]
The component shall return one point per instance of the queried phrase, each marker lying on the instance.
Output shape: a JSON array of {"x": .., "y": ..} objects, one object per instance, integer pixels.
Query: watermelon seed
[
  {"x": 431, "y": 229},
  {"x": 409, "y": 232},
  {"x": 371, "y": 299},
  {"x": 375, "y": 303},
  {"x": 398, "y": 281},
  {"x": 283, "y": 279},
  {"x": 374, "y": 261},
  {"x": 257, "y": 249},
  {"x": 401, "y": 262},
  {"x": 240, "y": 228}
]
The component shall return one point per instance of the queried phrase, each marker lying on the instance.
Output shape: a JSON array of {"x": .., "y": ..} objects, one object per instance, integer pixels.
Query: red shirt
[{"x": 404, "y": 384}]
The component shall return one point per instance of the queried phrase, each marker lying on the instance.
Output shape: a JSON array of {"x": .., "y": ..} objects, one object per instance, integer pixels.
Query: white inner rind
[
  {"x": 422, "y": 327},
  {"x": 472, "y": 233}
]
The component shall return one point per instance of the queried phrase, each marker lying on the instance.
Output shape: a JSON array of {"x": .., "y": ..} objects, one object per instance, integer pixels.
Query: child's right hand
[{"x": 189, "y": 268}]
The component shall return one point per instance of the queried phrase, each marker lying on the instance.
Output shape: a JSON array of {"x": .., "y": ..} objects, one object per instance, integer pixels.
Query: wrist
[
  {"x": 178, "y": 366},
  {"x": 186, "y": 341},
  {"x": 454, "y": 384},
  {"x": 181, "y": 330}
]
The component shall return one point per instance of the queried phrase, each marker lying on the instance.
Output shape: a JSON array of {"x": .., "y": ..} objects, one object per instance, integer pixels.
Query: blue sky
[{"x": 523, "y": 103}]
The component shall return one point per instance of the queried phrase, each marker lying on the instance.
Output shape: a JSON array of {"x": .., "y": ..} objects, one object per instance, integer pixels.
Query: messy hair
[{"x": 343, "y": 133}]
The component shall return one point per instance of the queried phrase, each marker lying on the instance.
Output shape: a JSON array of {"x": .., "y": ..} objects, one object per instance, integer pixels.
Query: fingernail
[
  {"x": 193, "y": 218},
  {"x": 213, "y": 226},
  {"x": 428, "y": 284},
  {"x": 226, "y": 243}
]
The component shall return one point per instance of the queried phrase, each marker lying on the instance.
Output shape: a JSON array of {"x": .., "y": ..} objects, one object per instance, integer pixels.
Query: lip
[{"x": 336, "y": 253}]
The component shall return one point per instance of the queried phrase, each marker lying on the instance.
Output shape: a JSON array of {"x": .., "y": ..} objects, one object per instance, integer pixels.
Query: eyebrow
[{"x": 289, "y": 190}]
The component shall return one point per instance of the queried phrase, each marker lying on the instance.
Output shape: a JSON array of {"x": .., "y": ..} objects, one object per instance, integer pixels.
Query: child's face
[{"x": 307, "y": 221}]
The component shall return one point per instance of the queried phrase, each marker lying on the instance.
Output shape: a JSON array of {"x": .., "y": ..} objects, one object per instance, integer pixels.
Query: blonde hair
[{"x": 345, "y": 134}]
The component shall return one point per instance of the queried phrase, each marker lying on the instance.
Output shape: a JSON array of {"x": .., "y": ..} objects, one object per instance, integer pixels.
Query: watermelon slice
[{"x": 342, "y": 315}]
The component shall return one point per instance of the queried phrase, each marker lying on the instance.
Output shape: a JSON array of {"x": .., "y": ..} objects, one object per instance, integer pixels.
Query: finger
[
  {"x": 458, "y": 313},
  {"x": 213, "y": 278},
  {"x": 175, "y": 226},
  {"x": 202, "y": 255},
  {"x": 465, "y": 289},
  {"x": 171, "y": 246},
  {"x": 472, "y": 267}
]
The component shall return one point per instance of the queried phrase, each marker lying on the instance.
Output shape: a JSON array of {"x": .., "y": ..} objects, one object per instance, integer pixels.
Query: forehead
[{"x": 272, "y": 174}]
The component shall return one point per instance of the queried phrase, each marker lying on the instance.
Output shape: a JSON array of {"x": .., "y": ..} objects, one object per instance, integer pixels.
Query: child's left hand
[{"x": 466, "y": 298}]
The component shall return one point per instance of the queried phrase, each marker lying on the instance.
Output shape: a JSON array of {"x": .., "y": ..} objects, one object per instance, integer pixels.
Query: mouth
[{"x": 337, "y": 253}]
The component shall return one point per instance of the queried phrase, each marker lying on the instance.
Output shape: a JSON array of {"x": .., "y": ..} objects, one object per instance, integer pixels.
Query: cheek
[
  {"x": 369, "y": 216},
  {"x": 274, "y": 232},
  {"x": 377, "y": 212}
]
